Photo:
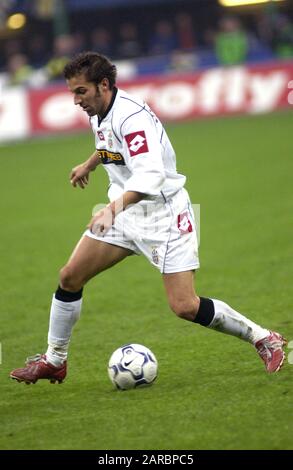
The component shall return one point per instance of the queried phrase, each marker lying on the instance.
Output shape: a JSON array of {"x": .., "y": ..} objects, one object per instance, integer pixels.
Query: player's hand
[
  {"x": 101, "y": 222},
  {"x": 80, "y": 176}
]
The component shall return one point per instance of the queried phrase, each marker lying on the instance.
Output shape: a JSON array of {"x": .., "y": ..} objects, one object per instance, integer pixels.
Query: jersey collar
[{"x": 100, "y": 118}]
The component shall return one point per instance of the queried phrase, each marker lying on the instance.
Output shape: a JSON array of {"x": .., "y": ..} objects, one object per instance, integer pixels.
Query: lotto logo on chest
[{"x": 137, "y": 143}]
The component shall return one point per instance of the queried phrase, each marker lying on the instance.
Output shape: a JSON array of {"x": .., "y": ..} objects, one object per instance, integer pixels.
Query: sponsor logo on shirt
[
  {"x": 111, "y": 157},
  {"x": 137, "y": 143},
  {"x": 184, "y": 223},
  {"x": 101, "y": 135}
]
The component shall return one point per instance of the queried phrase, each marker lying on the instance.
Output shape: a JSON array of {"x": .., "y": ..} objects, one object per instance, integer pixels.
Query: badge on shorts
[
  {"x": 155, "y": 255},
  {"x": 184, "y": 224},
  {"x": 136, "y": 143}
]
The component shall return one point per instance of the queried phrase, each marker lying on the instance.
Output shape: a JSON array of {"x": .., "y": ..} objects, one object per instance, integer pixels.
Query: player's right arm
[{"x": 80, "y": 174}]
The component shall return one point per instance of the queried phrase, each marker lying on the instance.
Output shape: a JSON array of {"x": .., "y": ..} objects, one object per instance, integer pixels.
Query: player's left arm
[
  {"x": 142, "y": 150},
  {"x": 143, "y": 154},
  {"x": 104, "y": 218}
]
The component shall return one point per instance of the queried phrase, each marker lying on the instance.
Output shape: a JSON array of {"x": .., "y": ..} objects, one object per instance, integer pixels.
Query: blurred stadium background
[
  {"x": 229, "y": 60},
  {"x": 187, "y": 58}
]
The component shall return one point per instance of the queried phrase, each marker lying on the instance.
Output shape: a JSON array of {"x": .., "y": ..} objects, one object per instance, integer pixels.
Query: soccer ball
[{"x": 132, "y": 365}]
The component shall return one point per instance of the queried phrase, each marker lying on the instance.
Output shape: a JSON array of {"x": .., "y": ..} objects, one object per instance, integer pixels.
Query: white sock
[
  {"x": 233, "y": 323},
  {"x": 63, "y": 317}
]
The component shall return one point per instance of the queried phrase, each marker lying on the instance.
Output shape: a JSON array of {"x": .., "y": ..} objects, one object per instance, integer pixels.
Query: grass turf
[{"x": 212, "y": 391}]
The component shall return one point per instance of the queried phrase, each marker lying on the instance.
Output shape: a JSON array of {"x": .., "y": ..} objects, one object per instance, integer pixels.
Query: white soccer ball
[{"x": 132, "y": 365}]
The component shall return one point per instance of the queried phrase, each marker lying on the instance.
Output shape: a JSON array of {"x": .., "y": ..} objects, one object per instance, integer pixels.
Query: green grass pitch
[{"x": 212, "y": 391}]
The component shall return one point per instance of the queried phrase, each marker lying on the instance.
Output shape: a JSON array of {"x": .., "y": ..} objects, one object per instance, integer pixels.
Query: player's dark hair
[{"x": 93, "y": 66}]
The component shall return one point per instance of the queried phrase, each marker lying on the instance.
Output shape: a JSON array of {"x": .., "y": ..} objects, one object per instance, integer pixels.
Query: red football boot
[
  {"x": 37, "y": 368},
  {"x": 271, "y": 351}
]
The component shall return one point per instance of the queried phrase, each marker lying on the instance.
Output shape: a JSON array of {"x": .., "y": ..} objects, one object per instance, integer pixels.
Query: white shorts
[{"x": 164, "y": 232}]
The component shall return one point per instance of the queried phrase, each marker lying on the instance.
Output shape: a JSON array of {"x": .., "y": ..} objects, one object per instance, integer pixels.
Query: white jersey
[{"x": 135, "y": 150}]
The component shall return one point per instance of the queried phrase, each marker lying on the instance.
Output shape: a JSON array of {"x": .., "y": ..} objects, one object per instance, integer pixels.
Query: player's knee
[
  {"x": 68, "y": 279},
  {"x": 185, "y": 309}
]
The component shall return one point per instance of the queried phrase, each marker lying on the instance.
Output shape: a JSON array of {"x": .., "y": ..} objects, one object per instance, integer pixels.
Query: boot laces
[{"x": 35, "y": 358}]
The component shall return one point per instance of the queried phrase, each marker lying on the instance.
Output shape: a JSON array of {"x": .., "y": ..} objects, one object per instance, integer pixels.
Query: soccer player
[{"x": 149, "y": 213}]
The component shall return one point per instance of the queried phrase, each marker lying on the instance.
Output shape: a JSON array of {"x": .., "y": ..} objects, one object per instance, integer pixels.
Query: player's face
[{"x": 93, "y": 98}]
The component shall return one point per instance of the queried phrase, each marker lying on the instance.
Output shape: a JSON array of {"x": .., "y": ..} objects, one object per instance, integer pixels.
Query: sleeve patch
[{"x": 137, "y": 143}]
